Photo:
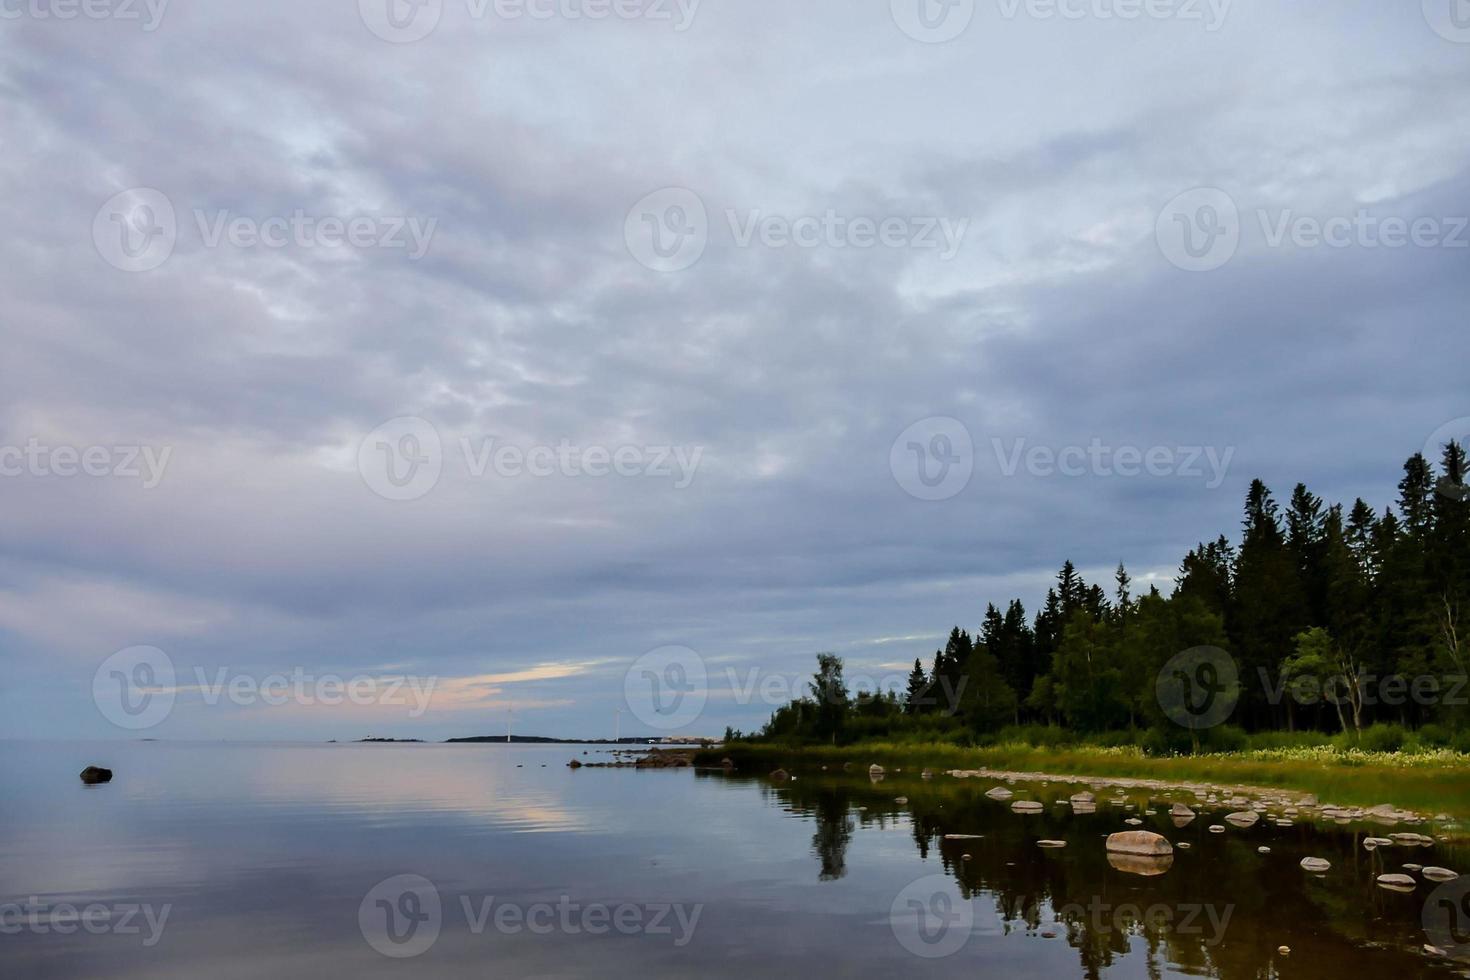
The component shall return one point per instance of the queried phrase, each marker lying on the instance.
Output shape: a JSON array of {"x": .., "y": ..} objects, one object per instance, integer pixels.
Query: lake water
[{"x": 229, "y": 860}]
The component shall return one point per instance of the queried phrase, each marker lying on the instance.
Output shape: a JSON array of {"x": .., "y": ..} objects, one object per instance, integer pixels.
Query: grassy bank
[{"x": 1428, "y": 782}]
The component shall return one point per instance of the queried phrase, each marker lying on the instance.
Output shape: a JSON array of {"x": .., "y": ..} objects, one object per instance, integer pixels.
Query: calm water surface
[{"x": 222, "y": 860}]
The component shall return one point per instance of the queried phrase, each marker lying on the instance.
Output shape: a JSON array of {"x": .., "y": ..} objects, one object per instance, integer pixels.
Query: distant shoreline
[{"x": 539, "y": 740}]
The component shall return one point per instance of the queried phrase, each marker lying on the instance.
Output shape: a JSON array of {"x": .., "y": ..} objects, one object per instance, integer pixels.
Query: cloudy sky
[{"x": 494, "y": 347}]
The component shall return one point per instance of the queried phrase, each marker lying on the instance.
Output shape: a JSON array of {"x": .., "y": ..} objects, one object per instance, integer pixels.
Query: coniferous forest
[{"x": 1340, "y": 622}]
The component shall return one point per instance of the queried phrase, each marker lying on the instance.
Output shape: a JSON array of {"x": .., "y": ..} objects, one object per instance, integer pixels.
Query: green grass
[{"x": 1429, "y": 782}]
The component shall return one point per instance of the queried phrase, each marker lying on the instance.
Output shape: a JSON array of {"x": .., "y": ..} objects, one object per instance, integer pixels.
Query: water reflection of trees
[
  {"x": 834, "y": 832},
  {"x": 1339, "y": 926}
]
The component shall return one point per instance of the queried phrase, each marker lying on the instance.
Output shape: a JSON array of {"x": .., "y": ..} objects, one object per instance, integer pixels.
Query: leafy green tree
[
  {"x": 1086, "y": 678},
  {"x": 829, "y": 691}
]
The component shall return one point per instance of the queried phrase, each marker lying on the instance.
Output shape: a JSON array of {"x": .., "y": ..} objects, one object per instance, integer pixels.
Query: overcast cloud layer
[{"x": 992, "y": 242}]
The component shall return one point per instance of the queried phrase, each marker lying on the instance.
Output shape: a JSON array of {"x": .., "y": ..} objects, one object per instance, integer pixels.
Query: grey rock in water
[
  {"x": 1140, "y": 842},
  {"x": 92, "y": 775},
  {"x": 1315, "y": 865},
  {"x": 1398, "y": 883}
]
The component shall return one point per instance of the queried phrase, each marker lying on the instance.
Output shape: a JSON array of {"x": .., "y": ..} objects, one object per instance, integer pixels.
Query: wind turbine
[
  {"x": 617, "y": 725},
  {"x": 510, "y": 713}
]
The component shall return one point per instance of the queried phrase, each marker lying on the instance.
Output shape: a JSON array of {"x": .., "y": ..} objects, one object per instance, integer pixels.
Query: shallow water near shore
[{"x": 233, "y": 860}]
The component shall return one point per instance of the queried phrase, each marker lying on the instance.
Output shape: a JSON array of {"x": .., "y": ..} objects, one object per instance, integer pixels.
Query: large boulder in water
[
  {"x": 1144, "y": 843},
  {"x": 92, "y": 775}
]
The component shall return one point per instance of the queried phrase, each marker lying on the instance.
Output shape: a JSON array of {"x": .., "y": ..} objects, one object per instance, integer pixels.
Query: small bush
[
  {"x": 1375, "y": 738},
  {"x": 1435, "y": 736},
  {"x": 1223, "y": 738},
  {"x": 1287, "y": 740}
]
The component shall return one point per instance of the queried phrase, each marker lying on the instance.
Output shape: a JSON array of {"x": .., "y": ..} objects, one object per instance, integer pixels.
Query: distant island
[{"x": 545, "y": 740}]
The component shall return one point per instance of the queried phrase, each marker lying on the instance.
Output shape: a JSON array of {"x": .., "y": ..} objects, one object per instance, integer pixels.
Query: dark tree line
[{"x": 1335, "y": 619}]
